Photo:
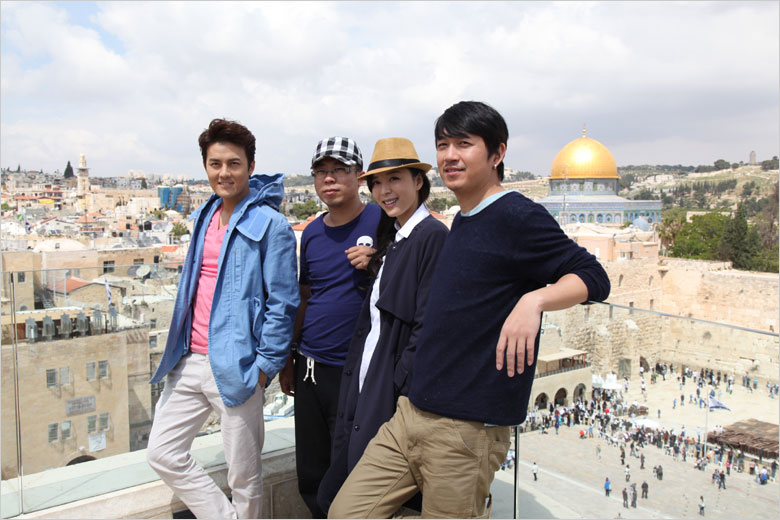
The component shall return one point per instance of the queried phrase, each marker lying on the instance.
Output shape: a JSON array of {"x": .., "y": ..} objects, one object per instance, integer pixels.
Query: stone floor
[{"x": 571, "y": 476}]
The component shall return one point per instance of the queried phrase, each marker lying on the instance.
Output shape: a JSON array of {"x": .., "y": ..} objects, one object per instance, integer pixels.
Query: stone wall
[
  {"x": 708, "y": 291},
  {"x": 618, "y": 340}
]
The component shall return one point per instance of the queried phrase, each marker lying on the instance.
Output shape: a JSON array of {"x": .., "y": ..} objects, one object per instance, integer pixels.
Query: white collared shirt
[{"x": 373, "y": 335}]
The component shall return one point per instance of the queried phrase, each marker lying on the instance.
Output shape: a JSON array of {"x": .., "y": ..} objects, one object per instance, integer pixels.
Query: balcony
[{"x": 77, "y": 406}]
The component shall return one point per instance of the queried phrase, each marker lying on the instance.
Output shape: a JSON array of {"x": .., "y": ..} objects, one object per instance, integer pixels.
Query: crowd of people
[{"x": 613, "y": 421}]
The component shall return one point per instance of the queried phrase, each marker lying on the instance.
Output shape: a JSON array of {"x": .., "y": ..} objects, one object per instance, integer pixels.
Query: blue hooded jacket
[{"x": 256, "y": 295}]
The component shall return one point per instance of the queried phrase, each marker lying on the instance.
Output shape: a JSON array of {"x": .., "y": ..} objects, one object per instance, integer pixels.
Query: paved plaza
[{"x": 571, "y": 475}]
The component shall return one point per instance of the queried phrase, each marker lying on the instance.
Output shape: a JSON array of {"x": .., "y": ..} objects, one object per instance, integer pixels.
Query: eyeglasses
[{"x": 339, "y": 171}]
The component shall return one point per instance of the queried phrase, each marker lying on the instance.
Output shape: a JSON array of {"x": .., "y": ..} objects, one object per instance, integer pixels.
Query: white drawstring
[{"x": 310, "y": 370}]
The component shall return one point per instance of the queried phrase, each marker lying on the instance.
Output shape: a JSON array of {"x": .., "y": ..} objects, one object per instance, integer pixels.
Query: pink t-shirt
[{"x": 212, "y": 244}]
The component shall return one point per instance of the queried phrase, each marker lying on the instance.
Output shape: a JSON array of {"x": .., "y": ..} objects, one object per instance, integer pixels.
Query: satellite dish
[{"x": 143, "y": 270}]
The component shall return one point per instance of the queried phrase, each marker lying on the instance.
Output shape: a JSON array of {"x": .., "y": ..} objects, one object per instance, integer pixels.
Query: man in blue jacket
[{"x": 230, "y": 330}]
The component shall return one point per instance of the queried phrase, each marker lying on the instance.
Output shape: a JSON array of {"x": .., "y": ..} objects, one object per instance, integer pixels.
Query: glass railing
[
  {"x": 624, "y": 346},
  {"x": 78, "y": 349},
  {"x": 80, "y": 345}
]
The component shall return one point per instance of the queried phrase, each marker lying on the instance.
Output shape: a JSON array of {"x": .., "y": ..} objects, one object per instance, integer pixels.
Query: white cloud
[{"x": 646, "y": 76}]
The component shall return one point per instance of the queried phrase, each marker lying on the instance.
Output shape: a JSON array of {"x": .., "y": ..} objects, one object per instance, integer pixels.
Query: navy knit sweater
[{"x": 488, "y": 262}]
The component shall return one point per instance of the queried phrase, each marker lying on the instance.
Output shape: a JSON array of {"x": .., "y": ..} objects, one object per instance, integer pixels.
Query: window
[
  {"x": 157, "y": 389},
  {"x": 652, "y": 304},
  {"x": 138, "y": 261},
  {"x": 54, "y": 430},
  {"x": 91, "y": 374},
  {"x": 153, "y": 323},
  {"x": 102, "y": 369},
  {"x": 65, "y": 430},
  {"x": 92, "y": 424},
  {"x": 20, "y": 277},
  {"x": 156, "y": 259},
  {"x": 65, "y": 375},
  {"x": 631, "y": 309},
  {"x": 108, "y": 266},
  {"x": 51, "y": 377},
  {"x": 104, "y": 421},
  {"x": 152, "y": 341}
]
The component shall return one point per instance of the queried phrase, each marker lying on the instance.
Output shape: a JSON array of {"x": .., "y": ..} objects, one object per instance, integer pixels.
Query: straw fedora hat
[{"x": 394, "y": 152}]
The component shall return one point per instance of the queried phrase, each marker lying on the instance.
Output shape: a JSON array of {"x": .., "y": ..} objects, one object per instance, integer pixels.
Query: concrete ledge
[
  {"x": 124, "y": 486},
  {"x": 155, "y": 499}
]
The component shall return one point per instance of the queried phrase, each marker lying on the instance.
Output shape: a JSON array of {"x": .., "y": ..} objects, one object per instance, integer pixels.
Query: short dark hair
[
  {"x": 476, "y": 118},
  {"x": 226, "y": 131}
]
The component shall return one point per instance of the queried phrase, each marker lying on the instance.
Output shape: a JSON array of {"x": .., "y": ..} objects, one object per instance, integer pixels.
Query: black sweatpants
[{"x": 316, "y": 405}]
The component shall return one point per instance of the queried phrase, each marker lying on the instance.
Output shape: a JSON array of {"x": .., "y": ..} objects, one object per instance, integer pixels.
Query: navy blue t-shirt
[{"x": 337, "y": 288}]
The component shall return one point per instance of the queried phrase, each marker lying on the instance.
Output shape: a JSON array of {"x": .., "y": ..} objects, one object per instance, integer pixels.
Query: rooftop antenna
[{"x": 583, "y": 129}]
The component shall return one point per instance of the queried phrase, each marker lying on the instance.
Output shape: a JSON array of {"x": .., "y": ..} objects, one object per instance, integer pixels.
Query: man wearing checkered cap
[{"x": 335, "y": 249}]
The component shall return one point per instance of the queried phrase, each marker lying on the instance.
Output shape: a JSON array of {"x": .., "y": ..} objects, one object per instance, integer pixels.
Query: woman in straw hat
[{"x": 378, "y": 368}]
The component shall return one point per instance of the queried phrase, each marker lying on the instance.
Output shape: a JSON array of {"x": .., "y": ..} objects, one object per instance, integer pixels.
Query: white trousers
[{"x": 189, "y": 396}]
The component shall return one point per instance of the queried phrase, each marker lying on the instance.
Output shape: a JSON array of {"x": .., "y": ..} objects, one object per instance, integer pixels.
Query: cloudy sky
[{"x": 132, "y": 84}]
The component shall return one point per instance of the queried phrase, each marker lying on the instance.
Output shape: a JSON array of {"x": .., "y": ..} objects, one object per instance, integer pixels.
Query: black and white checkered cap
[{"x": 342, "y": 149}]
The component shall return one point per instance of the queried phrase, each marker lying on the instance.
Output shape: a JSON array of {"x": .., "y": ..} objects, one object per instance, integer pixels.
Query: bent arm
[{"x": 518, "y": 334}]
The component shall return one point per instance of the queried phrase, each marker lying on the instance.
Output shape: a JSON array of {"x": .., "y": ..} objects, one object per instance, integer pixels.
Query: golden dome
[{"x": 584, "y": 158}]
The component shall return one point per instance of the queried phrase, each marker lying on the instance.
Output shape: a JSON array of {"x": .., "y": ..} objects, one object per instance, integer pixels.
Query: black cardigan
[{"x": 408, "y": 269}]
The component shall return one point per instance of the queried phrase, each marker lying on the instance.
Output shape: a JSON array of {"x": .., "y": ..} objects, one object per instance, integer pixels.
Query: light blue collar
[{"x": 486, "y": 202}]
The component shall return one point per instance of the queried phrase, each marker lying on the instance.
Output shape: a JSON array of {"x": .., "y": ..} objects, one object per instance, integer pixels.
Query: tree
[
  {"x": 720, "y": 164},
  {"x": 645, "y": 194},
  {"x": 441, "y": 203},
  {"x": 671, "y": 223},
  {"x": 701, "y": 199},
  {"x": 765, "y": 165},
  {"x": 143, "y": 184},
  {"x": 302, "y": 211},
  {"x": 734, "y": 243},
  {"x": 179, "y": 229},
  {"x": 626, "y": 180},
  {"x": 700, "y": 238},
  {"x": 766, "y": 221}
]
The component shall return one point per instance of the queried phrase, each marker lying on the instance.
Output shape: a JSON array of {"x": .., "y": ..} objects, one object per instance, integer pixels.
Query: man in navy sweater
[{"x": 504, "y": 262}]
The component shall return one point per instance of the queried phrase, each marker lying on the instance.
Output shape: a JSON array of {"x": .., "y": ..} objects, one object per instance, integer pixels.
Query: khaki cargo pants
[{"x": 452, "y": 462}]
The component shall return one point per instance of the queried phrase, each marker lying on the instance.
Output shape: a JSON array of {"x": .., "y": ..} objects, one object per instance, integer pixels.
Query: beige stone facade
[
  {"x": 82, "y": 397},
  {"x": 24, "y": 268}
]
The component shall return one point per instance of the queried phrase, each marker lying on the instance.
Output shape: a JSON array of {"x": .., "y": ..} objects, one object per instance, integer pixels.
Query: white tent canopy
[{"x": 610, "y": 383}]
